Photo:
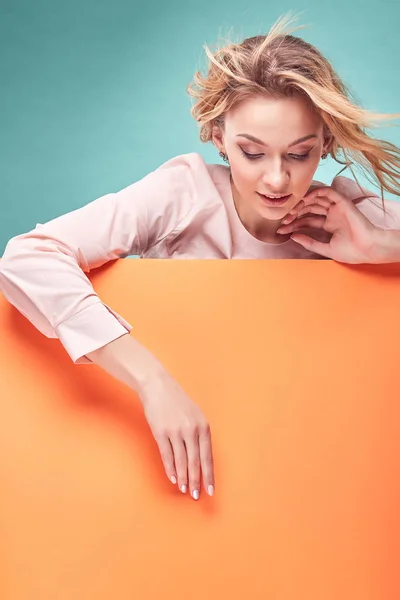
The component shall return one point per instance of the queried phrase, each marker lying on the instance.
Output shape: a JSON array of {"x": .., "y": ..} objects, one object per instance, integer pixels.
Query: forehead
[{"x": 274, "y": 119}]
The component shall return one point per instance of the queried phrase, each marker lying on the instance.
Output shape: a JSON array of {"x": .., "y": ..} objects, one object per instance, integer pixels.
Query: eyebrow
[{"x": 257, "y": 141}]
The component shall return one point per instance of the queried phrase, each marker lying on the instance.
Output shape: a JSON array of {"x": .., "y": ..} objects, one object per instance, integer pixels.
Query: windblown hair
[{"x": 281, "y": 65}]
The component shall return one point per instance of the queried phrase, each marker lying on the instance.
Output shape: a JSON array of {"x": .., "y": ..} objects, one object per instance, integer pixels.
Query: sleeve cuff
[{"x": 90, "y": 329}]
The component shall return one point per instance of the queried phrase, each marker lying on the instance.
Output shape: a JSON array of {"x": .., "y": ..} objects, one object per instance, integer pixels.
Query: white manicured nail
[
  {"x": 196, "y": 494},
  {"x": 210, "y": 490},
  {"x": 173, "y": 479},
  {"x": 183, "y": 489}
]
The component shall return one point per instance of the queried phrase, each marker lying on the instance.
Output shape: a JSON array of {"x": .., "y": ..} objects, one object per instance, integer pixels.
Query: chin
[{"x": 276, "y": 213}]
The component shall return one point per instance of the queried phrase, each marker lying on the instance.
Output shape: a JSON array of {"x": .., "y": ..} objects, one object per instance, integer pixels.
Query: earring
[
  {"x": 325, "y": 155},
  {"x": 224, "y": 156}
]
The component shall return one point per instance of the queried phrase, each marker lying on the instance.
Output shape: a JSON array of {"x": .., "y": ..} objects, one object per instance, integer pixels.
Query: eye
[
  {"x": 299, "y": 156},
  {"x": 250, "y": 156},
  {"x": 255, "y": 156}
]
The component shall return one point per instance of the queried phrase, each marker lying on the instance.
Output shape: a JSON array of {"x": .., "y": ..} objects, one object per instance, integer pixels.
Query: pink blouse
[{"x": 183, "y": 209}]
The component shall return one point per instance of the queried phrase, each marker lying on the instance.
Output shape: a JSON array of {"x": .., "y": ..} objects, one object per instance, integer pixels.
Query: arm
[
  {"x": 42, "y": 273},
  {"x": 177, "y": 424},
  {"x": 128, "y": 361}
]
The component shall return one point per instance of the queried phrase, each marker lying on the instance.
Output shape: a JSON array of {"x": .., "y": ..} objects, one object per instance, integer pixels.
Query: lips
[{"x": 274, "y": 201}]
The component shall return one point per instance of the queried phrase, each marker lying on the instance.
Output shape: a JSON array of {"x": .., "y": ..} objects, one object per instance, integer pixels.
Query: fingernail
[
  {"x": 173, "y": 479},
  {"x": 210, "y": 490},
  {"x": 196, "y": 494},
  {"x": 183, "y": 489}
]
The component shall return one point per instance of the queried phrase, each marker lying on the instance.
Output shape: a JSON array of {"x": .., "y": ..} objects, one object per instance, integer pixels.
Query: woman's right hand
[
  {"x": 177, "y": 423},
  {"x": 182, "y": 434}
]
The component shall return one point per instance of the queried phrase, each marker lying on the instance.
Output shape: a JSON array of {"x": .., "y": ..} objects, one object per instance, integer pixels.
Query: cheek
[
  {"x": 303, "y": 176},
  {"x": 295, "y": 200},
  {"x": 243, "y": 176}
]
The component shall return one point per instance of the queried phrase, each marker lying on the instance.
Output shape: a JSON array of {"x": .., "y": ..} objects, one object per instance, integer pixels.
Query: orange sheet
[{"x": 296, "y": 365}]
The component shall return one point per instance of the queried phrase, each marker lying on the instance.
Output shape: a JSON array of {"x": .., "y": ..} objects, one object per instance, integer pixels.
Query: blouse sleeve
[{"x": 42, "y": 272}]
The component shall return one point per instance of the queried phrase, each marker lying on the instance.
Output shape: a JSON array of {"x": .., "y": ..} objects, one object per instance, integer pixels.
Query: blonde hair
[{"x": 280, "y": 65}]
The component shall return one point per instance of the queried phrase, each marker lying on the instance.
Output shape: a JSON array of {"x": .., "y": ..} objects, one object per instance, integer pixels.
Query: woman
[{"x": 273, "y": 107}]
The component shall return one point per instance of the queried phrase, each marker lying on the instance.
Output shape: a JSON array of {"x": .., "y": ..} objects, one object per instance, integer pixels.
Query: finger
[
  {"x": 302, "y": 208},
  {"x": 323, "y": 195},
  {"x": 315, "y": 209},
  {"x": 298, "y": 207},
  {"x": 322, "y": 202},
  {"x": 167, "y": 457},
  {"x": 193, "y": 453},
  {"x": 313, "y": 245},
  {"x": 181, "y": 462},
  {"x": 290, "y": 217},
  {"x": 313, "y": 222},
  {"x": 293, "y": 213},
  {"x": 206, "y": 460}
]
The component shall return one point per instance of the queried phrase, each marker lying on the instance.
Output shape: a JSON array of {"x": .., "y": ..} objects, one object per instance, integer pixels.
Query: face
[{"x": 274, "y": 148}]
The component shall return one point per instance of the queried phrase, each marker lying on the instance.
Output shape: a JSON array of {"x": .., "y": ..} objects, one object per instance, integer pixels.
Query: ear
[
  {"x": 328, "y": 140},
  {"x": 218, "y": 138}
]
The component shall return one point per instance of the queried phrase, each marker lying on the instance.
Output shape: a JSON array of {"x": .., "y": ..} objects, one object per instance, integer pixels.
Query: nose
[{"x": 276, "y": 177}]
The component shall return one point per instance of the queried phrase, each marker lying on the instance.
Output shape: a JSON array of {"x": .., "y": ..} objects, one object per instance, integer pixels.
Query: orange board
[{"x": 296, "y": 366}]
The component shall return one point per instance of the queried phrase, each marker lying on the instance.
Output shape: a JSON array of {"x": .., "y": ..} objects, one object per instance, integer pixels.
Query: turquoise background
[{"x": 93, "y": 92}]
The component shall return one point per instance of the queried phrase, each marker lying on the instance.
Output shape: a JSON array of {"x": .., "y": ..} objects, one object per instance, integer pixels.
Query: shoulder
[
  {"x": 193, "y": 166},
  {"x": 174, "y": 186},
  {"x": 172, "y": 195},
  {"x": 387, "y": 217},
  {"x": 185, "y": 175},
  {"x": 192, "y": 163},
  {"x": 189, "y": 177}
]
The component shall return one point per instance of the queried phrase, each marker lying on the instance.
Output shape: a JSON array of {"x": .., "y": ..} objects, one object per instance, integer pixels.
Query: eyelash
[{"x": 294, "y": 156}]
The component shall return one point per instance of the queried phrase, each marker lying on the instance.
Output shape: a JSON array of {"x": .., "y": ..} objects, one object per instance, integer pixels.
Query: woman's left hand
[{"x": 354, "y": 239}]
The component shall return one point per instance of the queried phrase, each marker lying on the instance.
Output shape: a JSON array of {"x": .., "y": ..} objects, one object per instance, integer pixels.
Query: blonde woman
[{"x": 273, "y": 107}]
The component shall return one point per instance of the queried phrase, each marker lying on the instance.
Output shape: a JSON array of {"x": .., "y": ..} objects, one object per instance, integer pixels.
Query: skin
[
  {"x": 279, "y": 166},
  {"x": 353, "y": 239}
]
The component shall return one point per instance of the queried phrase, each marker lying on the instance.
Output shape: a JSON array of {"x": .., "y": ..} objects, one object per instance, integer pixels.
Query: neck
[{"x": 264, "y": 230}]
